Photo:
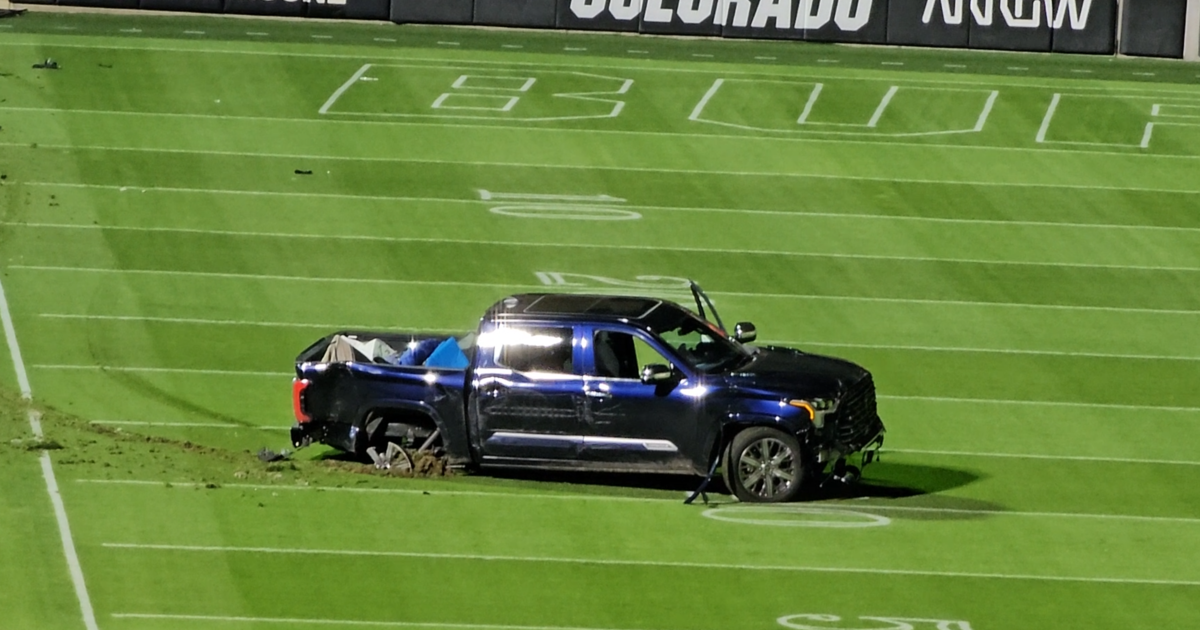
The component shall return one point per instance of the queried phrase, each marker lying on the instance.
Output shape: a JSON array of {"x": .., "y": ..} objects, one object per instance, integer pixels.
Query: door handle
[{"x": 598, "y": 395}]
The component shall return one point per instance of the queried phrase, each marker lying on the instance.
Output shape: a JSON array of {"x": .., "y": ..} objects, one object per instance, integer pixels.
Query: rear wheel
[{"x": 764, "y": 465}]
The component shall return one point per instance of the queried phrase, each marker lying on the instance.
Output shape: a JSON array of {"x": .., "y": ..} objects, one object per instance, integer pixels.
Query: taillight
[{"x": 298, "y": 387}]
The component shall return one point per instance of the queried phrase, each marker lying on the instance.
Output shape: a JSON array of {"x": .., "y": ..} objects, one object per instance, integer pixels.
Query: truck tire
[{"x": 764, "y": 465}]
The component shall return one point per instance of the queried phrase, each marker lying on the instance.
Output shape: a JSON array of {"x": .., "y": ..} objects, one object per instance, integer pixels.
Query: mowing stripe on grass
[
  {"x": 855, "y": 505},
  {"x": 393, "y": 325},
  {"x": 341, "y": 622},
  {"x": 820, "y": 344},
  {"x": 60, "y": 510},
  {"x": 665, "y": 564},
  {"x": 542, "y": 287},
  {"x": 1037, "y": 403},
  {"x": 604, "y": 167},
  {"x": 116, "y": 368},
  {"x": 189, "y": 425},
  {"x": 780, "y": 213},
  {"x": 1073, "y": 458},
  {"x": 595, "y": 246},
  {"x": 847, "y": 74}
]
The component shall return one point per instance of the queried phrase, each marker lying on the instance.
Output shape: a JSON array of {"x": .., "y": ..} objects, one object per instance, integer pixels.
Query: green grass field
[{"x": 1011, "y": 243}]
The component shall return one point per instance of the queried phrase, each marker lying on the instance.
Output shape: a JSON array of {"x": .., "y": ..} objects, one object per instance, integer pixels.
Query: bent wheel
[{"x": 764, "y": 465}]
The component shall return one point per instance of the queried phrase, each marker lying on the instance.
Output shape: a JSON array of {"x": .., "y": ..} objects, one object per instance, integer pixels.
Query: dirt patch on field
[{"x": 83, "y": 450}]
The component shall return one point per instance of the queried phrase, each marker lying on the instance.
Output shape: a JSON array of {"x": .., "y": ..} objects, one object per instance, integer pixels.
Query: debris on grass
[
  {"x": 303, "y": 172},
  {"x": 267, "y": 455},
  {"x": 48, "y": 64}
]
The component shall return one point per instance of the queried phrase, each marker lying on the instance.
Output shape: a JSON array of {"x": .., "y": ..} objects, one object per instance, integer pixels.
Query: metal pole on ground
[{"x": 1191, "y": 31}]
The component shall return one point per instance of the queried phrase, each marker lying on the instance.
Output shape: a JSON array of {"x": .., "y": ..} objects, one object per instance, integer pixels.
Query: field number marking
[
  {"x": 1161, "y": 114},
  {"x": 896, "y": 623},
  {"x": 869, "y": 128},
  {"x": 479, "y": 86},
  {"x": 553, "y": 206},
  {"x": 485, "y": 84}
]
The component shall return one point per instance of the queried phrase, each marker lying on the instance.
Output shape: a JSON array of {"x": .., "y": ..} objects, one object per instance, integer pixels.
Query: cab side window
[
  {"x": 623, "y": 355},
  {"x": 535, "y": 349}
]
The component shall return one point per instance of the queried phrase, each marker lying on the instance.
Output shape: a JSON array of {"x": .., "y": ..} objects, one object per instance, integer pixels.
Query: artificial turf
[{"x": 179, "y": 220}]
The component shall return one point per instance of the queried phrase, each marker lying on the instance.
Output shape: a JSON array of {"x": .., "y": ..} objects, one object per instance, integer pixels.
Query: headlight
[{"x": 817, "y": 408}]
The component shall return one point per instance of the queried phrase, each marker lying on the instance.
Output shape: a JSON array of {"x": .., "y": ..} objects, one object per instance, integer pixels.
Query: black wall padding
[
  {"x": 849, "y": 21},
  {"x": 352, "y": 10},
  {"x": 540, "y": 13},
  {"x": 1153, "y": 28},
  {"x": 680, "y": 17},
  {"x": 1097, "y": 35},
  {"x": 292, "y": 8},
  {"x": 433, "y": 11},
  {"x": 761, "y": 19},
  {"x": 108, "y": 4},
  {"x": 1024, "y": 28},
  {"x": 600, "y": 15},
  {"x": 197, "y": 6},
  {"x": 906, "y": 25},
  {"x": 38, "y": 2}
]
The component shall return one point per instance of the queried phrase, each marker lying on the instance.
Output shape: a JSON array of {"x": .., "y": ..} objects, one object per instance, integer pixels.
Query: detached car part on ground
[{"x": 595, "y": 383}]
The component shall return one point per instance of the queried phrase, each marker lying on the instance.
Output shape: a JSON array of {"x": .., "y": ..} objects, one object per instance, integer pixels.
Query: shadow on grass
[{"x": 910, "y": 492}]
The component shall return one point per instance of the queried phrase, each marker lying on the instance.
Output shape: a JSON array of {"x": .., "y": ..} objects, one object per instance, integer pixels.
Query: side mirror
[
  {"x": 745, "y": 332},
  {"x": 657, "y": 373}
]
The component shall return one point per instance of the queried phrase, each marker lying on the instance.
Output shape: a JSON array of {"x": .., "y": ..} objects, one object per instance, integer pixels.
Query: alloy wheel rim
[{"x": 765, "y": 467}]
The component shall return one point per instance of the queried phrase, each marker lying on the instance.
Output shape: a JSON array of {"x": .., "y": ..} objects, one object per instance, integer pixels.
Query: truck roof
[{"x": 569, "y": 306}]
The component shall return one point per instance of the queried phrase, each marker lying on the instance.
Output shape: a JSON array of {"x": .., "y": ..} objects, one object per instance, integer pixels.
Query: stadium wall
[{"x": 1155, "y": 28}]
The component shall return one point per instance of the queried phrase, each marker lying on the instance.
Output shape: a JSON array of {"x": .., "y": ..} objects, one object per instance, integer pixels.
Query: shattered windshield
[{"x": 699, "y": 343}]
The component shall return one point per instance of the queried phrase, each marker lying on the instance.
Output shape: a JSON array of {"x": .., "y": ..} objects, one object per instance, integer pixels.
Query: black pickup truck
[{"x": 599, "y": 383}]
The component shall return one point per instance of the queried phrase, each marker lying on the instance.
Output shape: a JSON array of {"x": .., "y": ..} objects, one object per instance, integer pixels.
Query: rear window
[{"x": 532, "y": 349}]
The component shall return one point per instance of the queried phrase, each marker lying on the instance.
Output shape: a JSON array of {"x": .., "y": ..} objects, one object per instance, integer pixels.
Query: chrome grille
[{"x": 857, "y": 419}]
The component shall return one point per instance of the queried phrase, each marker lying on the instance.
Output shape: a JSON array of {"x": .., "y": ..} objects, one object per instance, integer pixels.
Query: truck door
[
  {"x": 636, "y": 425},
  {"x": 528, "y": 394}
]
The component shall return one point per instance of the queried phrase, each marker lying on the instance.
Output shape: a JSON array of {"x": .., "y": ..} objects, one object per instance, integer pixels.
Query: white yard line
[
  {"x": 68, "y": 544},
  {"x": 1037, "y": 403},
  {"x": 397, "y": 491},
  {"x": 1075, "y": 458},
  {"x": 339, "y": 622},
  {"x": 444, "y": 283},
  {"x": 14, "y": 349},
  {"x": 60, "y": 511},
  {"x": 342, "y": 90},
  {"x": 162, "y": 370},
  {"x": 749, "y": 211},
  {"x": 1052, "y": 353},
  {"x": 800, "y": 344},
  {"x": 599, "y": 246},
  {"x": 614, "y": 168},
  {"x": 851, "y": 505},
  {"x": 778, "y": 568}
]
